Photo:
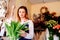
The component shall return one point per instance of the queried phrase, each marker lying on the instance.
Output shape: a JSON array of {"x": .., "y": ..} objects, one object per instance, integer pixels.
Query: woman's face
[{"x": 22, "y": 13}]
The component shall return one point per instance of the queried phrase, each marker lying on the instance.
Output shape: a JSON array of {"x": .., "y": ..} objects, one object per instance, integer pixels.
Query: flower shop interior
[{"x": 45, "y": 15}]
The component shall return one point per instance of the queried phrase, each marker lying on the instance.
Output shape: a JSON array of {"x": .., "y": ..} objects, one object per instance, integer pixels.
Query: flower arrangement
[
  {"x": 13, "y": 29},
  {"x": 57, "y": 28},
  {"x": 51, "y": 25}
]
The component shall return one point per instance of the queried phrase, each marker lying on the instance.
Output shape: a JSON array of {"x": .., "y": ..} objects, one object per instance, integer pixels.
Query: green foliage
[
  {"x": 51, "y": 23},
  {"x": 51, "y": 37},
  {"x": 13, "y": 29}
]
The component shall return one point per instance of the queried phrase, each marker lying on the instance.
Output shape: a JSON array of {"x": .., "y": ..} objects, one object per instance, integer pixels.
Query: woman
[{"x": 23, "y": 18}]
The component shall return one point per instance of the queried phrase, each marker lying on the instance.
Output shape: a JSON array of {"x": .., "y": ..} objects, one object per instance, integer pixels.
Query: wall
[
  {"x": 34, "y": 8},
  {"x": 52, "y": 6}
]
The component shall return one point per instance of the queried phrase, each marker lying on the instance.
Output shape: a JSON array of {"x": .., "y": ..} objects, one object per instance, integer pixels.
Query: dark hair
[{"x": 22, "y": 7}]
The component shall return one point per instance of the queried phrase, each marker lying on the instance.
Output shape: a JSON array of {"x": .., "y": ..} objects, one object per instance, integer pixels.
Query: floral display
[{"x": 53, "y": 28}]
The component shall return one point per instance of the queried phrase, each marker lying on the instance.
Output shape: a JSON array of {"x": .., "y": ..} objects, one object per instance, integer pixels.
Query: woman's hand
[{"x": 23, "y": 33}]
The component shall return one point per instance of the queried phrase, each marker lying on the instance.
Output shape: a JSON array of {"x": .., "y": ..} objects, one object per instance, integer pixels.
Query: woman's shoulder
[{"x": 30, "y": 21}]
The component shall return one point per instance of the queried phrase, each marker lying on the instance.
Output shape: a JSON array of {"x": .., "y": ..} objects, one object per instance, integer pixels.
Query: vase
[{"x": 56, "y": 37}]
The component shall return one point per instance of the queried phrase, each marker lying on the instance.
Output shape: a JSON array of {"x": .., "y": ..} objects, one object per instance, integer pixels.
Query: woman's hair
[{"x": 22, "y": 7}]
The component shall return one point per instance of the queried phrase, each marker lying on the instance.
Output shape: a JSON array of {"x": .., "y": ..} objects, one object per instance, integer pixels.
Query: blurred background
[{"x": 39, "y": 11}]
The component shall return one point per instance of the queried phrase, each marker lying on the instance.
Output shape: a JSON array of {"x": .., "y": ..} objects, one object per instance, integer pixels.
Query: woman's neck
[{"x": 23, "y": 19}]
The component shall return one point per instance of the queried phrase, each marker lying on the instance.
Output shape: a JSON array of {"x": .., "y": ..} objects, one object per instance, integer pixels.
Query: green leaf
[{"x": 13, "y": 29}]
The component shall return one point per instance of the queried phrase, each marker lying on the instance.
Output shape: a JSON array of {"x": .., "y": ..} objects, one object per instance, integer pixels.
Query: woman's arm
[{"x": 31, "y": 30}]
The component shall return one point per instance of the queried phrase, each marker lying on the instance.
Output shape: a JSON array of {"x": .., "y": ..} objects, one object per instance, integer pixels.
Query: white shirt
[{"x": 31, "y": 29}]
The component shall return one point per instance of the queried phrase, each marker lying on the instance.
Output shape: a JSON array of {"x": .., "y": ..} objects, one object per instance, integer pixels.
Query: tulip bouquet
[{"x": 14, "y": 29}]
